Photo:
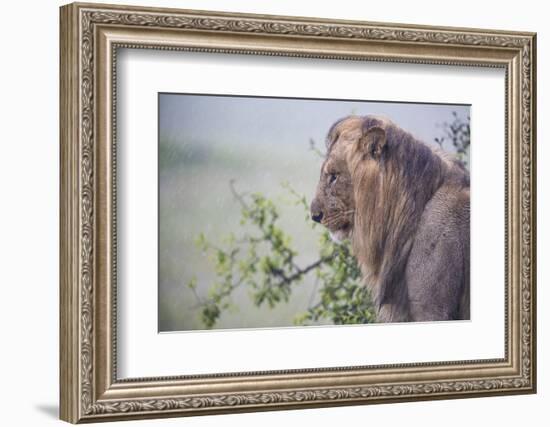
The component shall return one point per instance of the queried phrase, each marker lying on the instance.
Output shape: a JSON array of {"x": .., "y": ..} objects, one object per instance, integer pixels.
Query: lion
[{"x": 405, "y": 207}]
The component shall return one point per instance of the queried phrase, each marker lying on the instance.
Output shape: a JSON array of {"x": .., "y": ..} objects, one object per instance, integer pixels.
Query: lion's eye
[{"x": 332, "y": 177}]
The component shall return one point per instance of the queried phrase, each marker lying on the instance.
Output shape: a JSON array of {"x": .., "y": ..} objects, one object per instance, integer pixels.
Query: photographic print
[{"x": 278, "y": 212}]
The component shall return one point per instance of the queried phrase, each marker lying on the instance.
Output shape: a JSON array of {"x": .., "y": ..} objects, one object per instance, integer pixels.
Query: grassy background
[{"x": 195, "y": 197}]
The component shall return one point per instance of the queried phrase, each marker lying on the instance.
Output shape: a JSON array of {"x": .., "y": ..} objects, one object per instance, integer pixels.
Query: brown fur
[{"x": 405, "y": 208}]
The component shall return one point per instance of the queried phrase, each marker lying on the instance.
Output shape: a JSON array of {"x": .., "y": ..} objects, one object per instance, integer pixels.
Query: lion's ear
[{"x": 372, "y": 142}]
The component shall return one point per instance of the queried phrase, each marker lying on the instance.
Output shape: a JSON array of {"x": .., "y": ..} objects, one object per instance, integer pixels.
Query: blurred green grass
[{"x": 195, "y": 198}]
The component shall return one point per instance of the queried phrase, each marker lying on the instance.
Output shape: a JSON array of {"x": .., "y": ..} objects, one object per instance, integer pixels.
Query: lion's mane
[{"x": 391, "y": 199}]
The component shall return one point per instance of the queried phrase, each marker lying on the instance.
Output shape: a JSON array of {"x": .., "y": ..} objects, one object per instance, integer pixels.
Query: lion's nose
[
  {"x": 316, "y": 211},
  {"x": 317, "y": 216}
]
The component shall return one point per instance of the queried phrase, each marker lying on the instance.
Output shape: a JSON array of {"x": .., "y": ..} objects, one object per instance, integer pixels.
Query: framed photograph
[{"x": 266, "y": 212}]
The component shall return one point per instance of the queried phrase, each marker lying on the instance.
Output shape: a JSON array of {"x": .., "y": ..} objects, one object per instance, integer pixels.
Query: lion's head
[
  {"x": 374, "y": 185},
  {"x": 351, "y": 143},
  {"x": 334, "y": 205}
]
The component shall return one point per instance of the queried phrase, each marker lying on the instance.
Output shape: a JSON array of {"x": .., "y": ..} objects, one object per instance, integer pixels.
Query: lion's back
[{"x": 438, "y": 269}]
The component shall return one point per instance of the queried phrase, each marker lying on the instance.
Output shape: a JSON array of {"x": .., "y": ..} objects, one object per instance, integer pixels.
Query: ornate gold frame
[{"x": 90, "y": 36}]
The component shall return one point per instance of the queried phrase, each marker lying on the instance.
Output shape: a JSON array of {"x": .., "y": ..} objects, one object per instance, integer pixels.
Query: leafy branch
[
  {"x": 263, "y": 259},
  {"x": 458, "y": 133}
]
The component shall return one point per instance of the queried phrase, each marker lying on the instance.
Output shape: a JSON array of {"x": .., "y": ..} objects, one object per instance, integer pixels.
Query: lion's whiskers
[{"x": 337, "y": 217}]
